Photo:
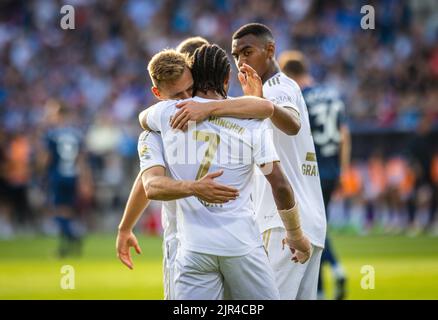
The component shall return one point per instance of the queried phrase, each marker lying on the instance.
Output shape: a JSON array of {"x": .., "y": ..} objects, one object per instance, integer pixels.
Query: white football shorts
[
  {"x": 294, "y": 280},
  {"x": 200, "y": 276}
]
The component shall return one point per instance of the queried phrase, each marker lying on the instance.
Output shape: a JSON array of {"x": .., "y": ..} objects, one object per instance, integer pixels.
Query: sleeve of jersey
[
  {"x": 154, "y": 116},
  {"x": 150, "y": 150},
  {"x": 284, "y": 96},
  {"x": 263, "y": 145}
]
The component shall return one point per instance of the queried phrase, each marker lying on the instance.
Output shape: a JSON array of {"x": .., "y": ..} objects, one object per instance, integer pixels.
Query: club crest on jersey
[
  {"x": 144, "y": 152},
  {"x": 310, "y": 169}
]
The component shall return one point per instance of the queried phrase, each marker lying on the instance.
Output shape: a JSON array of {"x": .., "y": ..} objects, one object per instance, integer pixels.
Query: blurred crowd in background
[{"x": 388, "y": 77}]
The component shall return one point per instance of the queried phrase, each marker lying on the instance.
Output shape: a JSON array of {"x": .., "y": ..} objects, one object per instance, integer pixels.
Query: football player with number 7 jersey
[{"x": 220, "y": 245}]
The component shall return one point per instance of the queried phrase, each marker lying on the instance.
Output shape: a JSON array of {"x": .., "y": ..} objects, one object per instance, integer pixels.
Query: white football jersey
[
  {"x": 218, "y": 143},
  {"x": 151, "y": 154},
  {"x": 298, "y": 159}
]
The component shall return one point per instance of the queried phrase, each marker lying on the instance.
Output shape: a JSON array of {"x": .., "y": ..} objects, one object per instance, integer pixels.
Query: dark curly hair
[{"x": 210, "y": 68}]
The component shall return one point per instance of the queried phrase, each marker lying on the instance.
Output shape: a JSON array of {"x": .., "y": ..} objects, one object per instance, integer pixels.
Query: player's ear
[
  {"x": 227, "y": 81},
  {"x": 156, "y": 93},
  {"x": 270, "y": 49}
]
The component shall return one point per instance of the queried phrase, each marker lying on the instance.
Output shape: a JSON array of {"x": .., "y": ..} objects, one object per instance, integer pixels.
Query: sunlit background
[{"x": 383, "y": 215}]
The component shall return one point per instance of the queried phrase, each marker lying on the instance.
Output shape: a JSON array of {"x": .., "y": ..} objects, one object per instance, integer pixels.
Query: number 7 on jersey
[{"x": 213, "y": 140}]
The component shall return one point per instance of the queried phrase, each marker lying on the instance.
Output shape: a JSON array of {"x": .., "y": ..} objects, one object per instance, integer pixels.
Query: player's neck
[
  {"x": 273, "y": 69},
  {"x": 209, "y": 95}
]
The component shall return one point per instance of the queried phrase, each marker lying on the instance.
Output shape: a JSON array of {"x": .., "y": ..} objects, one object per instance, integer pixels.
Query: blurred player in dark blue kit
[
  {"x": 332, "y": 143},
  {"x": 64, "y": 162}
]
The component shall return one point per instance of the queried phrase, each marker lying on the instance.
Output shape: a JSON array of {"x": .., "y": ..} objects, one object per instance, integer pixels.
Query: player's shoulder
[
  {"x": 157, "y": 112},
  {"x": 244, "y": 127},
  {"x": 252, "y": 125},
  {"x": 145, "y": 135},
  {"x": 162, "y": 105},
  {"x": 326, "y": 88},
  {"x": 322, "y": 92},
  {"x": 281, "y": 82},
  {"x": 149, "y": 144},
  {"x": 148, "y": 136},
  {"x": 332, "y": 92}
]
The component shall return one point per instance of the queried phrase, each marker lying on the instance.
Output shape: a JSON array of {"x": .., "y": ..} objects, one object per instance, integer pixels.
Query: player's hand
[
  {"x": 209, "y": 190},
  {"x": 189, "y": 111},
  {"x": 126, "y": 240},
  {"x": 250, "y": 81},
  {"x": 301, "y": 249}
]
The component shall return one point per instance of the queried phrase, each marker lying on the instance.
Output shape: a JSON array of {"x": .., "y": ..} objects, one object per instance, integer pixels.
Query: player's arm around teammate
[
  {"x": 152, "y": 184},
  {"x": 242, "y": 107},
  {"x": 252, "y": 105},
  {"x": 160, "y": 187},
  {"x": 286, "y": 119}
]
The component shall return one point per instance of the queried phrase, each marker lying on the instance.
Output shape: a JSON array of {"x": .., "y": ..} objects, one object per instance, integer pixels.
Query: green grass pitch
[{"x": 405, "y": 268}]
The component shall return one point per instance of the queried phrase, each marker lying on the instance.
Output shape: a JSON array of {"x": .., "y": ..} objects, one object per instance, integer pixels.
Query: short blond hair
[{"x": 167, "y": 66}]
